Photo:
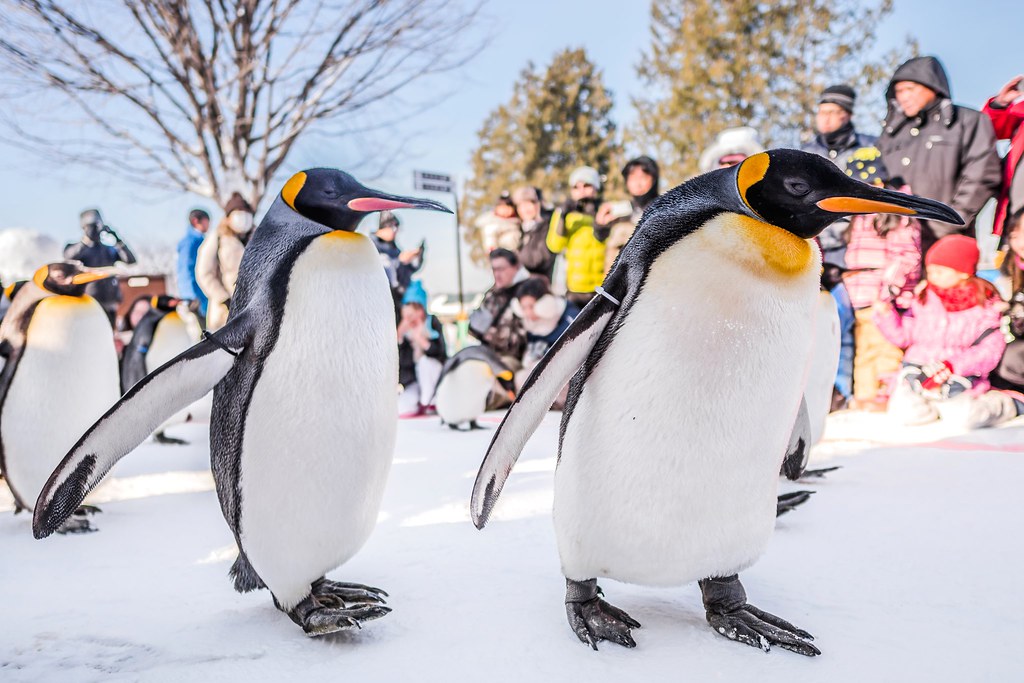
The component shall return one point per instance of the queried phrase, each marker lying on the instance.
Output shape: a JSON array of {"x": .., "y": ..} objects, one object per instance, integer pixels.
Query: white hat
[
  {"x": 742, "y": 140},
  {"x": 586, "y": 175}
]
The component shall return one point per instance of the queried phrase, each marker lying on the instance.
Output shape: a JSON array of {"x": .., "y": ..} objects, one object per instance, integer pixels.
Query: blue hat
[{"x": 415, "y": 294}]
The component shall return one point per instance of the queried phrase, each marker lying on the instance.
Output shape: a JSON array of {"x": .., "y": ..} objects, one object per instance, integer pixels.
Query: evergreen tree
[
  {"x": 556, "y": 120},
  {"x": 714, "y": 64}
]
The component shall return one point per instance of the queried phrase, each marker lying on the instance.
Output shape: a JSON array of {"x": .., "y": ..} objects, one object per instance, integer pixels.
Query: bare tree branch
[{"x": 211, "y": 96}]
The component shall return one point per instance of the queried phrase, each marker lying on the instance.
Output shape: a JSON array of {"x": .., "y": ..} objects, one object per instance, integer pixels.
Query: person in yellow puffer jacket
[{"x": 572, "y": 231}]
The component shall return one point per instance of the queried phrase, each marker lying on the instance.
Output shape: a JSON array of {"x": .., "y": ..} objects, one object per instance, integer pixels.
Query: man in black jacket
[
  {"x": 836, "y": 140},
  {"x": 92, "y": 253},
  {"x": 943, "y": 151}
]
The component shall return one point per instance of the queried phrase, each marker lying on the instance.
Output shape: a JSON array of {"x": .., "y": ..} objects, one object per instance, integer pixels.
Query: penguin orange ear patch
[
  {"x": 291, "y": 189},
  {"x": 752, "y": 170}
]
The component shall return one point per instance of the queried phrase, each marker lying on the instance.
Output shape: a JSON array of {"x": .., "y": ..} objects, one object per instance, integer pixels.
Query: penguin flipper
[
  {"x": 541, "y": 389},
  {"x": 131, "y": 420},
  {"x": 798, "y": 451}
]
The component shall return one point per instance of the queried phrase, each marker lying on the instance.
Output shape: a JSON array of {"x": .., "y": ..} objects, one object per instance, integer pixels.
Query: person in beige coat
[{"x": 219, "y": 257}]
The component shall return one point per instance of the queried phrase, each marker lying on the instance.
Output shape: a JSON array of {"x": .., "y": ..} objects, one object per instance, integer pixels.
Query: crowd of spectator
[{"x": 924, "y": 334}]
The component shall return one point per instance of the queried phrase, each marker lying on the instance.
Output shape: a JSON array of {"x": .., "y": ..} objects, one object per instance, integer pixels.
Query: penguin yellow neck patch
[
  {"x": 752, "y": 170},
  {"x": 783, "y": 251},
  {"x": 292, "y": 188}
]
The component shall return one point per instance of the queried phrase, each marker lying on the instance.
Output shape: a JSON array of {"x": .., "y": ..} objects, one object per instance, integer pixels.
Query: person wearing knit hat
[
  {"x": 835, "y": 138},
  {"x": 219, "y": 257},
  {"x": 572, "y": 230},
  {"x": 951, "y": 336}
]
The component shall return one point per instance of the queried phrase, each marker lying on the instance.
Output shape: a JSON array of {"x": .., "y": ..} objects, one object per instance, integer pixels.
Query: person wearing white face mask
[{"x": 219, "y": 257}]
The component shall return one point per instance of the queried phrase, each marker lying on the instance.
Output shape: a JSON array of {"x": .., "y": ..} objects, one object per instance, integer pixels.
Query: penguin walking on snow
[
  {"x": 466, "y": 381},
  {"x": 59, "y": 375},
  {"x": 303, "y": 424},
  {"x": 159, "y": 336},
  {"x": 716, "y": 290}
]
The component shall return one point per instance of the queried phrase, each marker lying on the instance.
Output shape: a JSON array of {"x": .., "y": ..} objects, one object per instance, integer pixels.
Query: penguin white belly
[
  {"x": 66, "y": 379},
  {"x": 670, "y": 462},
  {"x": 824, "y": 362},
  {"x": 170, "y": 339},
  {"x": 462, "y": 394},
  {"x": 320, "y": 431}
]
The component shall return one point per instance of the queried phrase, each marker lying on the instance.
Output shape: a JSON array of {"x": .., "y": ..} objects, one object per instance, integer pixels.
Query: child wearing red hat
[{"x": 950, "y": 336}]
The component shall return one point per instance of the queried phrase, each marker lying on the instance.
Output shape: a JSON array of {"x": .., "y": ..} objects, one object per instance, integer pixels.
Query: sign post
[{"x": 442, "y": 182}]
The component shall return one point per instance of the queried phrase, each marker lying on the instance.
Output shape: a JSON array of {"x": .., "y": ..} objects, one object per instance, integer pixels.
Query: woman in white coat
[{"x": 219, "y": 256}]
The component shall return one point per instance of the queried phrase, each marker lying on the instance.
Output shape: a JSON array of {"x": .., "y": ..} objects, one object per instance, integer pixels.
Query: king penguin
[
  {"x": 715, "y": 292},
  {"x": 466, "y": 381},
  {"x": 160, "y": 336},
  {"x": 60, "y": 375},
  {"x": 303, "y": 424}
]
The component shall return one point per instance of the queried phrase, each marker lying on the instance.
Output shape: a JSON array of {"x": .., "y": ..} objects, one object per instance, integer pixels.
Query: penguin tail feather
[{"x": 244, "y": 576}]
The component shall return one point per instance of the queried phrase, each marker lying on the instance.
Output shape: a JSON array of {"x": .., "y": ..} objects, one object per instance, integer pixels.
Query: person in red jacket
[{"x": 1006, "y": 110}]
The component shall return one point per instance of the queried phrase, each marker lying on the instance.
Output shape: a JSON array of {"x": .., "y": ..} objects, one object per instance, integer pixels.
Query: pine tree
[
  {"x": 555, "y": 120},
  {"x": 714, "y": 64}
]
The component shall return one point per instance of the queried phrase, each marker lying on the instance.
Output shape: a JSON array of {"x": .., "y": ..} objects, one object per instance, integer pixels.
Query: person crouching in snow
[
  {"x": 545, "y": 317},
  {"x": 950, "y": 336},
  {"x": 421, "y": 354}
]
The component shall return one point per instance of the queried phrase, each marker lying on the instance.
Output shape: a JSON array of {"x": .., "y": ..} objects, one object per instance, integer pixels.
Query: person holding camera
[
  {"x": 572, "y": 231},
  {"x": 92, "y": 252},
  {"x": 1006, "y": 111},
  {"x": 398, "y": 264},
  {"x": 616, "y": 221}
]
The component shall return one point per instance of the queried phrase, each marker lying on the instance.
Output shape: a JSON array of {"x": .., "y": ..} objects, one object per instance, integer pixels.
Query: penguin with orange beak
[
  {"x": 716, "y": 293},
  {"x": 59, "y": 376},
  {"x": 303, "y": 424}
]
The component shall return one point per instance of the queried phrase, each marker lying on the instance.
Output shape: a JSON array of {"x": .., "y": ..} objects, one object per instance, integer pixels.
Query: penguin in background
[
  {"x": 465, "y": 384},
  {"x": 59, "y": 375},
  {"x": 303, "y": 424},
  {"x": 717, "y": 291},
  {"x": 161, "y": 335}
]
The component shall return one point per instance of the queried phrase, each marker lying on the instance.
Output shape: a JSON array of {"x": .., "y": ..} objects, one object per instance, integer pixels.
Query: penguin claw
[
  {"x": 76, "y": 524},
  {"x": 348, "y": 593},
  {"x": 325, "y": 620},
  {"x": 819, "y": 473},
  {"x": 596, "y": 620},
  {"x": 759, "y": 629},
  {"x": 160, "y": 437}
]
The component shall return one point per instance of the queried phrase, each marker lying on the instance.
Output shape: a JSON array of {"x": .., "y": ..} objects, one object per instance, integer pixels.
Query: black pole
[{"x": 458, "y": 253}]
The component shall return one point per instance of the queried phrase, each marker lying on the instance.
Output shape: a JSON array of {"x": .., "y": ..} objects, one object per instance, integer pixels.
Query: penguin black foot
[
  {"x": 78, "y": 522},
  {"x": 819, "y": 473},
  {"x": 331, "y": 607},
  {"x": 790, "y": 501},
  {"x": 161, "y": 437},
  {"x": 731, "y": 616},
  {"x": 474, "y": 425},
  {"x": 592, "y": 619},
  {"x": 350, "y": 593}
]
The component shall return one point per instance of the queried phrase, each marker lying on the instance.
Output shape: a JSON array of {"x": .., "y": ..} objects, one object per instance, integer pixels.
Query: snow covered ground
[{"x": 906, "y": 566}]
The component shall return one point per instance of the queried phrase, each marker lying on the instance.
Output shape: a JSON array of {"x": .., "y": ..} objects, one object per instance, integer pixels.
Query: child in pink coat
[{"x": 950, "y": 335}]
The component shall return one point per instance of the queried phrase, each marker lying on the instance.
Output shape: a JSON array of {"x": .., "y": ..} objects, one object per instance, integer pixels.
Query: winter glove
[{"x": 936, "y": 374}]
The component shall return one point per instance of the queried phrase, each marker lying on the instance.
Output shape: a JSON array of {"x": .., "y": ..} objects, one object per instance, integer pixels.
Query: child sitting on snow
[{"x": 950, "y": 336}]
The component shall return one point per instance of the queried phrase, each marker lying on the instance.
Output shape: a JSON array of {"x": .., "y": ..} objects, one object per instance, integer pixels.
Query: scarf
[
  {"x": 958, "y": 298},
  {"x": 840, "y": 139}
]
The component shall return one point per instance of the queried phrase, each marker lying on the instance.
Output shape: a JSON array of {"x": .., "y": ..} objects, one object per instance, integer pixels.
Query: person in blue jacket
[{"x": 188, "y": 248}]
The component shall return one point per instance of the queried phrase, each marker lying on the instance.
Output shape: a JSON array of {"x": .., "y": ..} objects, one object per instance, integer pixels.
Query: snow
[{"x": 905, "y": 565}]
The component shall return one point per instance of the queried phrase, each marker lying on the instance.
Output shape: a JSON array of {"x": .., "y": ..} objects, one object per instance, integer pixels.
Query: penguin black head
[
  {"x": 68, "y": 279},
  {"x": 337, "y": 200},
  {"x": 804, "y": 193}
]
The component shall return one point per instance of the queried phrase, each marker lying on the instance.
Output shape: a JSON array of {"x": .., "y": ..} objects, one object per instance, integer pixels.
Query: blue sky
[{"x": 974, "y": 41}]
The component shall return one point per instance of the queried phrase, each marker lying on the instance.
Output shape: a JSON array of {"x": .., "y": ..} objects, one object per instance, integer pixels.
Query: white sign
[{"x": 432, "y": 182}]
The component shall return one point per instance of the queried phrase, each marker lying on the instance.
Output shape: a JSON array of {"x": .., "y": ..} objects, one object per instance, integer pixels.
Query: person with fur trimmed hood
[
  {"x": 219, "y": 257},
  {"x": 942, "y": 150},
  {"x": 616, "y": 221},
  {"x": 730, "y": 147}
]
